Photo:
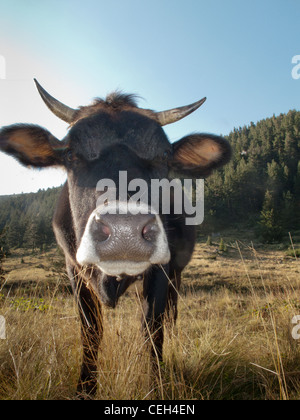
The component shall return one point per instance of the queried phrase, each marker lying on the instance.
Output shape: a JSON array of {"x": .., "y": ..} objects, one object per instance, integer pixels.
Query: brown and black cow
[{"x": 105, "y": 250}]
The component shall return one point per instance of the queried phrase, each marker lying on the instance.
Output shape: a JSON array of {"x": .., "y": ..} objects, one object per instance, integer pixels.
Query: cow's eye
[
  {"x": 166, "y": 154},
  {"x": 69, "y": 156}
]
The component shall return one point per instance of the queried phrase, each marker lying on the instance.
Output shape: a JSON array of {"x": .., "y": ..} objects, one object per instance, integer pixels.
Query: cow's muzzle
[{"x": 125, "y": 242}]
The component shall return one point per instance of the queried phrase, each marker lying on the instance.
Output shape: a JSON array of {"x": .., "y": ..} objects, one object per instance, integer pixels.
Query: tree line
[
  {"x": 261, "y": 185},
  {"x": 25, "y": 220},
  {"x": 260, "y": 188}
]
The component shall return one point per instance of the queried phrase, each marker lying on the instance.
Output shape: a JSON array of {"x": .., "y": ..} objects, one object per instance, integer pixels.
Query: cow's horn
[
  {"x": 176, "y": 114},
  {"x": 62, "y": 111}
]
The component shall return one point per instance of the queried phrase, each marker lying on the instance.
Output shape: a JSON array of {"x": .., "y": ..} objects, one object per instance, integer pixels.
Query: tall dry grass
[{"x": 232, "y": 341}]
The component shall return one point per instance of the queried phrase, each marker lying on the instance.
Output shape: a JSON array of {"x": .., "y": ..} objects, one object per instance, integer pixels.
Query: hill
[
  {"x": 25, "y": 219},
  {"x": 261, "y": 184}
]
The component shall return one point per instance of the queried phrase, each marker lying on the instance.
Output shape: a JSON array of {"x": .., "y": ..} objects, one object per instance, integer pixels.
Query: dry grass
[{"x": 232, "y": 340}]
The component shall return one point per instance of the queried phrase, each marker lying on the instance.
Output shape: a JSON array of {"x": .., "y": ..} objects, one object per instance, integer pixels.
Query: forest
[
  {"x": 25, "y": 220},
  {"x": 259, "y": 188}
]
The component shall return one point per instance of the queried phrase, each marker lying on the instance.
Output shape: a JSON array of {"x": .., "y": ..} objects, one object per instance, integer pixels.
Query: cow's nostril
[
  {"x": 150, "y": 231},
  {"x": 102, "y": 231}
]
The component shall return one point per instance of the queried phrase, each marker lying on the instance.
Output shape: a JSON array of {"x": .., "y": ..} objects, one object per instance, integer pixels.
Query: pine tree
[
  {"x": 31, "y": 235},
  {"x": 268, "y": 227},
  {"x": 297, "y": 195},
  {"x": 15, "y": 233},
  {"x": 289, "y": 216},
  {"x": 275, "y": 181},
  {"x": 2, "y": 252}
]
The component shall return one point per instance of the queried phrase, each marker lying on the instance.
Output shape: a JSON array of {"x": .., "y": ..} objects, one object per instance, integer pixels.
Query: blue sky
[{"x": 236, "y": 52}]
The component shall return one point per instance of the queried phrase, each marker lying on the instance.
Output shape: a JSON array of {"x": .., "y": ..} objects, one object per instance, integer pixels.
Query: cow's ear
[
  {"x": 31, "y": 145},
  {"x": 198, "y": 155}
]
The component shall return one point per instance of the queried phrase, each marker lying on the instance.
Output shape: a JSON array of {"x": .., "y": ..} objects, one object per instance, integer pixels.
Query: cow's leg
[
  {"x": 155, "y": 298},
  {"x": 172, "y": 300},
  {"x": 91, "y": 333}
]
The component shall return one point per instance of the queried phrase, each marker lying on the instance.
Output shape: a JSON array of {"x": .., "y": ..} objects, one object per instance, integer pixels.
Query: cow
[{"x": 105, "y": 250}]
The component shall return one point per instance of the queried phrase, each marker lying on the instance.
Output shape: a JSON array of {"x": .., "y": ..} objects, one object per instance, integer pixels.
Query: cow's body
[{"x": 107, "y": 252}]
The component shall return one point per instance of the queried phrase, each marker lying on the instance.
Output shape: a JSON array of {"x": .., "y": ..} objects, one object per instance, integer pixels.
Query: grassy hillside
[{"x": 233, "y": 338}]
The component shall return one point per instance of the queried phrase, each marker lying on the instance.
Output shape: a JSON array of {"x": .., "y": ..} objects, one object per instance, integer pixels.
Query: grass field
[{"x": 233, "y": 339}]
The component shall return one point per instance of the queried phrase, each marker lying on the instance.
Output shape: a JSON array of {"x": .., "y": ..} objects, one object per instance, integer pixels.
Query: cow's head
[{"x": 105, "y": 138}]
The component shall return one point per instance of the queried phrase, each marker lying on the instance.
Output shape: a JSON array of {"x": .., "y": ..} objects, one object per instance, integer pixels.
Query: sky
[{"x": 237, "y": 53}]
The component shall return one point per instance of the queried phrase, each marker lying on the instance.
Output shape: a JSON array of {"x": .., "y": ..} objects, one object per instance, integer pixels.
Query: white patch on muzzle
[{"x": 87, "y": 254}]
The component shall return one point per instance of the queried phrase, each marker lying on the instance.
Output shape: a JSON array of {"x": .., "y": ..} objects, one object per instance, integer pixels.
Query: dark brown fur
[{"x": 114, "y": 103}]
